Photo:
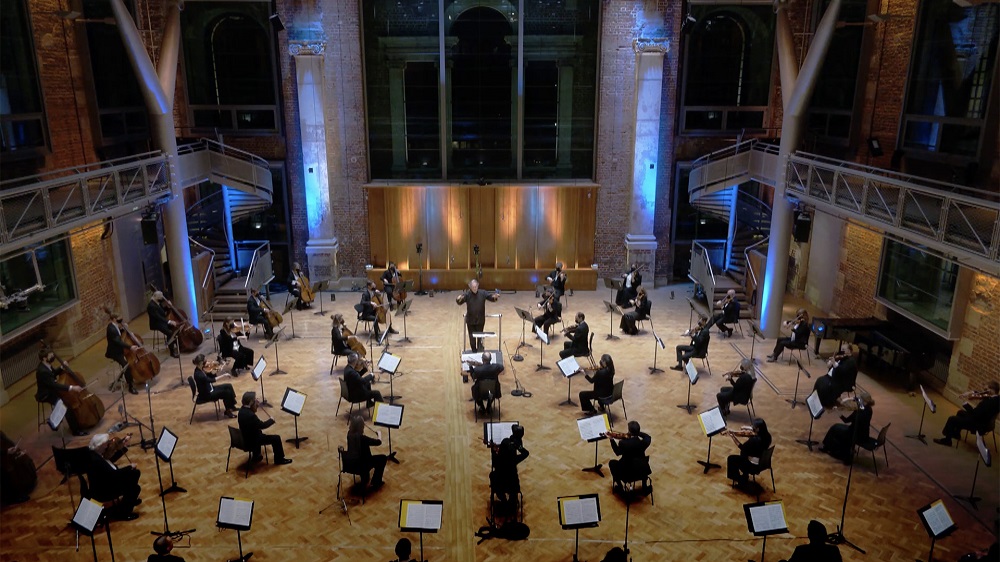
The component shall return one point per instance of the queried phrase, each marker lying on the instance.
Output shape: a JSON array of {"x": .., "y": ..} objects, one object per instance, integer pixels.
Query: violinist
[
  {"x": 158, "y": 321},
  {"x": 604, "y": 384},
  {"x": 631, "y": 280},
  {"x": 344, "y": 342},
  {"x": 389, "y": 280},
  {"x": 295, "y": 288},
  {"x": 359, "y": 384},
  {"x": 841, "y": 438},
  {"x": 730, "y": 313},
  {"x": 557, "y": 280},
  {"x": 230, "y": 346},
  {"x": 117, "y": 346},
  {"x": 551, "y": 311},
  {"x": 359, "y": 449},
  {"x": 161, "y": 548},
  {"x": 367, "y": 308},
  {"x": 799, "y": 337},
  {"x": 475, "y": 311},
  {"x": 578, "y": 334},
  {"x": 738, "y": 467},
  {"x": 107, "y": 480},
  {"x": 251, "y": 428},
  {"x": 208, "y": 390},
  {"x": 698, "y": 347},
  {"x": 504, "y": 481},
  {"x": 840, "y": 379},
  {"x": 979, "y": 419},
  {"x": 487, "y": 371},
  {"x": 742, "y": 380},
  {"x": 49, "y": 388},
  {"x": 257, "y": 313},
  {"x": 633, "y": 463},
  {"x": 641, "y": 312}
]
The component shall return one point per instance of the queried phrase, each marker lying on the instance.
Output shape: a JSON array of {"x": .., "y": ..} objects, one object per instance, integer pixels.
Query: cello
[
  {"x": 189, "y": 338},
  {"x": 306, "y": 295},
  {"x": 143, "y": 363},
  {"x": 86, "y": 407}
]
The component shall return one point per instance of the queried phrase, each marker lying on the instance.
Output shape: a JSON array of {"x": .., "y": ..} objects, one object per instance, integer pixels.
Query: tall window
[
  {"x": 727, "y": 70},
  {"x": 918, "y": 283},
  {"x": 473, "y": 113},
  {"x": 229, "y": 58},
  {"x": 833, "y": 99},
  {"x": 22, "y": 122},
  {"x": 954, "y": 62},
  {"x": 45, "y": 276}
]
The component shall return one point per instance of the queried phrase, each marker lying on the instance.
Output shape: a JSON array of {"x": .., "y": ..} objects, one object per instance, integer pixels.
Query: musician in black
[
  {"x": 698, "y": 347},
  {"x": 481, "y": 374},
  {"x": 557, "y": 280},
  {"x": 49, "y": 387},
  {"x": 116, "y": 349},
  {"x": 251, "y": 428},
  {"x": 742, "y": 381},
  {"x": 403, "y": 551},
  {"x": 230, "y": 346},
  {"x": 107, "y": 480},
  {"x": 738, "y": 467},
  {"x": 294, "y": 288},
  {"x": 817, "y": 550},
  {"x": 799, "y": 337},
  {"x": 161, "y": 548},
  {"x": 257, "y": 313},
  {"x": 841, "y": 438},
  {"x": 631, "y": 281},
  {"x": 359, "y": 451},
  {"x": 730, "y": 313},
  {"x": 389, "y": 279},
  {"x": 641, "y": 312},
  {"x": 604, "y": 384},
  {"x": 475, "y": 311},
  {"x": 367, "y": 307},
  {"x": 359, "y": 384},
  {"x": 208, "y": 390},
  {"x": 504, "y": 481},
  {"x": 841, "y": 378},
  {"x": 158, "y": 321},
  {"x": 551, "y": 311},
  {"x": 578, "y": 334},
  {"x": 979, "y": 419},
  {"x": 341, "y": 343},
  {"x": 633, "y": 464}
]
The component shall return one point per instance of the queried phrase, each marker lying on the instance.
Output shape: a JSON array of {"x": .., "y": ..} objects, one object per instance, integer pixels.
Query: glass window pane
[
  {"x": 919, "y": 283},
  {"x": 18, "y": 76},
  {"x": 17, "y": 274}
]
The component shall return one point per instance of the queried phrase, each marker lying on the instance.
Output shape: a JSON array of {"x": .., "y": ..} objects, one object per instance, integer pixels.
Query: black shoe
[
  {"x": 376, "y": 485},
  {"x": 393, "y": 331},
  {"x": 677, "y": 368},
  {"x": 771, "y": 359},
  {"x": 283, "y": 461},
  {"x": 128, "y": 517},
  {"x": 174, "y": 354},
  {"x": 946, "y": 441},
  {"x": 257, "y": 458},
  {"x": 137, "y": 501},
  {"x": 229, "y": 414},
  {"x": 132, "y": 390}
]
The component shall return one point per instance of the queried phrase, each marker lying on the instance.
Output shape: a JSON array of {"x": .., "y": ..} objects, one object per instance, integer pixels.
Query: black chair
[
  {"x": 747, "y": 401},
  {"x": 198, "y": 400},
  {"x": 704, "y": 360},
  {"x": 872, "y": 444},
  {"x": 519, "y": 508},
  {"x": 638, "y": 488},
  {"x": 236, "y": 442},
  {"x": 349, "y": 465},
  {"x": 616, "y": 395},
  {"x": 764, "y": 464},
  {"x": 737, "y": 323},
  {"x": 367, "y": 319},
  {"x": 71, "y": 462},
  {"x": 590, "y": 351},
  {"x": 984, "y": 431},
  {"x": 336, "y": 357},
  {"x": 492, "y": 386},
  {"x": 41, "y": 417},
  {"x": 346, "y": 395},
  {"x": 111, "y": 500},
  {"x": 799, "y": 346}
]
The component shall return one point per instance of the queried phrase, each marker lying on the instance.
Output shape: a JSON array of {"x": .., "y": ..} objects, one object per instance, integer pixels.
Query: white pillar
[
  {"x": 322, "y": 245},
  {"x": 640, "y": 243}
]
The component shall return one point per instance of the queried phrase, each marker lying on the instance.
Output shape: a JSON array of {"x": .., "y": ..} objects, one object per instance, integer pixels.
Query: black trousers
[
  {"x": 275, "y": 442},
  {"x": 586, "y": 399},
  {"x": 738, "y": 467},
  {"x": 725, "y": 398},
  {"x": 70, "y": 416},
  {"x": 377, "y": 464},
  {"x": 684, "y": 352},
  {"x": 719, "y": 321},
  {"x": 476, "y": 344},
  {"x": 956, "y": 424},
  {"x": 225, "y": 393},
  {"x": 120, "y": 359},
  {"x": 780, "y": 346}
]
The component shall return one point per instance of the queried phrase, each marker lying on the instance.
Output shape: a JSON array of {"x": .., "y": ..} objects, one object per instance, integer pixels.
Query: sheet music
[
  {"x": 712, "y": 421},
  {"x": 983, "y": 451},
  {"x": 768, "y": 517},
  {"x": 423, "y": 516},
  {"x": 389, "y": 415},
  {"x": 165, "y": 446},
  {"x": 692, "y": 372},
  {"x": 235, "y": 512},
  {"x": 815, "y": 406},
  {"x": 660, "y": 343},
  {"x": 293, "y": 402},
  {"x": 938, "y": 519},
  {"x": 497, "y": 431},
  {"x": 258, "y": 369},
  {"x": 88, "y": 513},
  {"x": 57, "y": 415},
  {"x": 470, "y": 360},
  {"x": 580, "y": 511},
  {"x": 927, "y": 399},
  {"x": 568, "y": 366},
  {"x": 541, "y": 334},
  {"x": 389, "y": 362},
  {"x": 592, "y": 428}
]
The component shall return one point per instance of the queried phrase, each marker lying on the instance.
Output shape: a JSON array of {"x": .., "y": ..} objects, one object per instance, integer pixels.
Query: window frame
[{"x": 45, "y": 148}]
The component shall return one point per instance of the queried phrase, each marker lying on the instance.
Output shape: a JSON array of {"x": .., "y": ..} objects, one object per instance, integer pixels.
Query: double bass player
[
  {"x": 117, "y": 346},
  {"x": 49, "y": 387}
]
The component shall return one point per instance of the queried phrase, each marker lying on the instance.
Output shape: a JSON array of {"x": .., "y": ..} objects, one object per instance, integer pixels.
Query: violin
[
  {"x": 976, "y": 395},
  {"x": 616, "y": 435},
  {"x": 745, "y": 431},
  {"x": 306, "y": 294},
  {"x": 86, "y": 407}
]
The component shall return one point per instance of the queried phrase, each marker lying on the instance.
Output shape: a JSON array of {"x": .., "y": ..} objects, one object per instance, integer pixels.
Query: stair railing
[
  {"x": 207, "y": 293},
  {"x": 260, "y": 271},
  {"x": 753, "y": 276},
  {"x": 701, "y": 264}
]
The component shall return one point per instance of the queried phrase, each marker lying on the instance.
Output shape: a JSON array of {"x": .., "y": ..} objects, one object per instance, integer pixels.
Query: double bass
[
  {"x": 274, "y": 317},
  {"x": 306, "y": 294},
  {"x": 86, "y": 407},
  {"x": 143, "y": 363},
  {"x": 19, "y": 473},
  {"x": 189, "y": 338}
]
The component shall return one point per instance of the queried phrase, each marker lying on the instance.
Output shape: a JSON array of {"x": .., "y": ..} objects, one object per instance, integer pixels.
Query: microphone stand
[
  {"x": 146, "y": 444},
  {"x": 838, "y": 538},
  {"x": 657, "y": 342},
  {"x": 420, "y": 274}
]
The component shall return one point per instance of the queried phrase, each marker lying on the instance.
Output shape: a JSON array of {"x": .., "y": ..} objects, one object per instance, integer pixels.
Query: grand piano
[{"x": 872, "y": 336}]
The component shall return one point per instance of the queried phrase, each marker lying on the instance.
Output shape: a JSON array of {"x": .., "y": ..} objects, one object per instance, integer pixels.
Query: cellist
[
  {"x": 343, "y": 341},
  {"x": 49, "y": 388},
  {"x": 158, "y": 321},
  {"x": 117, "y": 346},
  {"x": 295, "y": 287}
]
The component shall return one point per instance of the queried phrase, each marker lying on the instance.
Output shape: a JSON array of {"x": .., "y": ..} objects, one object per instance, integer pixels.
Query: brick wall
[
  {"x": 976, "y": 355},
  {"x": 857, "y": 274}
]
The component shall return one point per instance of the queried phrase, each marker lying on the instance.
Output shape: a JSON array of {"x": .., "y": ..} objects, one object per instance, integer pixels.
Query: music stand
[
  {"x": 937, "y": 522},
  {"x": 754, "y": 334},
  {"x": 420, "y": 516},
  {"x": 292, "y": 402},
  {"x": 615, "y": 285},
  {"x": 920, "y": 430},
  {"x": 256, "y": 373},
  {"x": 795, "y": 397},
  {"x": 526, "y": 318},
  {"x": 403, "y": 309},
  {"x": 815, "y": 411},
  {"x": 692, "y": 375},
  {"x": 985, "y": 458},
  {"x": 56, "y": 417},
  {"x": 277, "y": 363},
  {"x": 389, "y": 363},
  {"x": 88, "y": 514},
  {"x": 318, "y": 288},
  {"x": 691, "y": 314},
  {"x": 592, "y": 430},
  {"x": 541, "y": 348},
  {"x": 236, "y": 514},
  {"x": 568, "y": 367},
  {"x": 657, "y": 343},
  {"x": 763, "y": 519},
  {"x": 838, "y": 538},
  {"x": 420, "y": 273},
  {"x": 712, "y": 423},
  {"x": 165, "y": 446},
  {"x": 290, "y": 312},
  {"x": 389, "y": 416},
  {"x": 579, "y": 512}
]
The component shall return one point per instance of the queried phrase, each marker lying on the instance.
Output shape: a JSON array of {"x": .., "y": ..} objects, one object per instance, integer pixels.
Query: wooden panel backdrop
[{"x": 519, "y": 228}]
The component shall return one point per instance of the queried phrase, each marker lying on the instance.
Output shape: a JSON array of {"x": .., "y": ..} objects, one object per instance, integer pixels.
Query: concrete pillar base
[
  {"x": 322, "y": 258},
  {"x": 641, "y": 249}
]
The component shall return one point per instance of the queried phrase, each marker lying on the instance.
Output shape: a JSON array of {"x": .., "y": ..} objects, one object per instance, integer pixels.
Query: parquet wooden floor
[{"x": 696, "y": 516}]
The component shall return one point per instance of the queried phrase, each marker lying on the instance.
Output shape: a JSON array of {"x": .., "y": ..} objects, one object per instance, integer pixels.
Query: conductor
[{"x": 475, "y": 311}]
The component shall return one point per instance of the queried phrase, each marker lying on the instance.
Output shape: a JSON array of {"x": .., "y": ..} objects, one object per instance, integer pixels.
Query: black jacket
[
  {"x": 48, "y": 386},
  {"x": 157, "y": 317},
  {"x": 116, "y": 345},
  {"x": 251, "y": 427},
  {"x": 580, "y": 337},
  {"x": 604, "y": 382}
]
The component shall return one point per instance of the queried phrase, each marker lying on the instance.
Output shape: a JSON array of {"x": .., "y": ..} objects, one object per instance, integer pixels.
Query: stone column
[
  {"x": 397, "y": 112},
  {"x": 322, "y": 246},
  {"x": 565, "y": 116},
  {"x": 640, "y": 244}
]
